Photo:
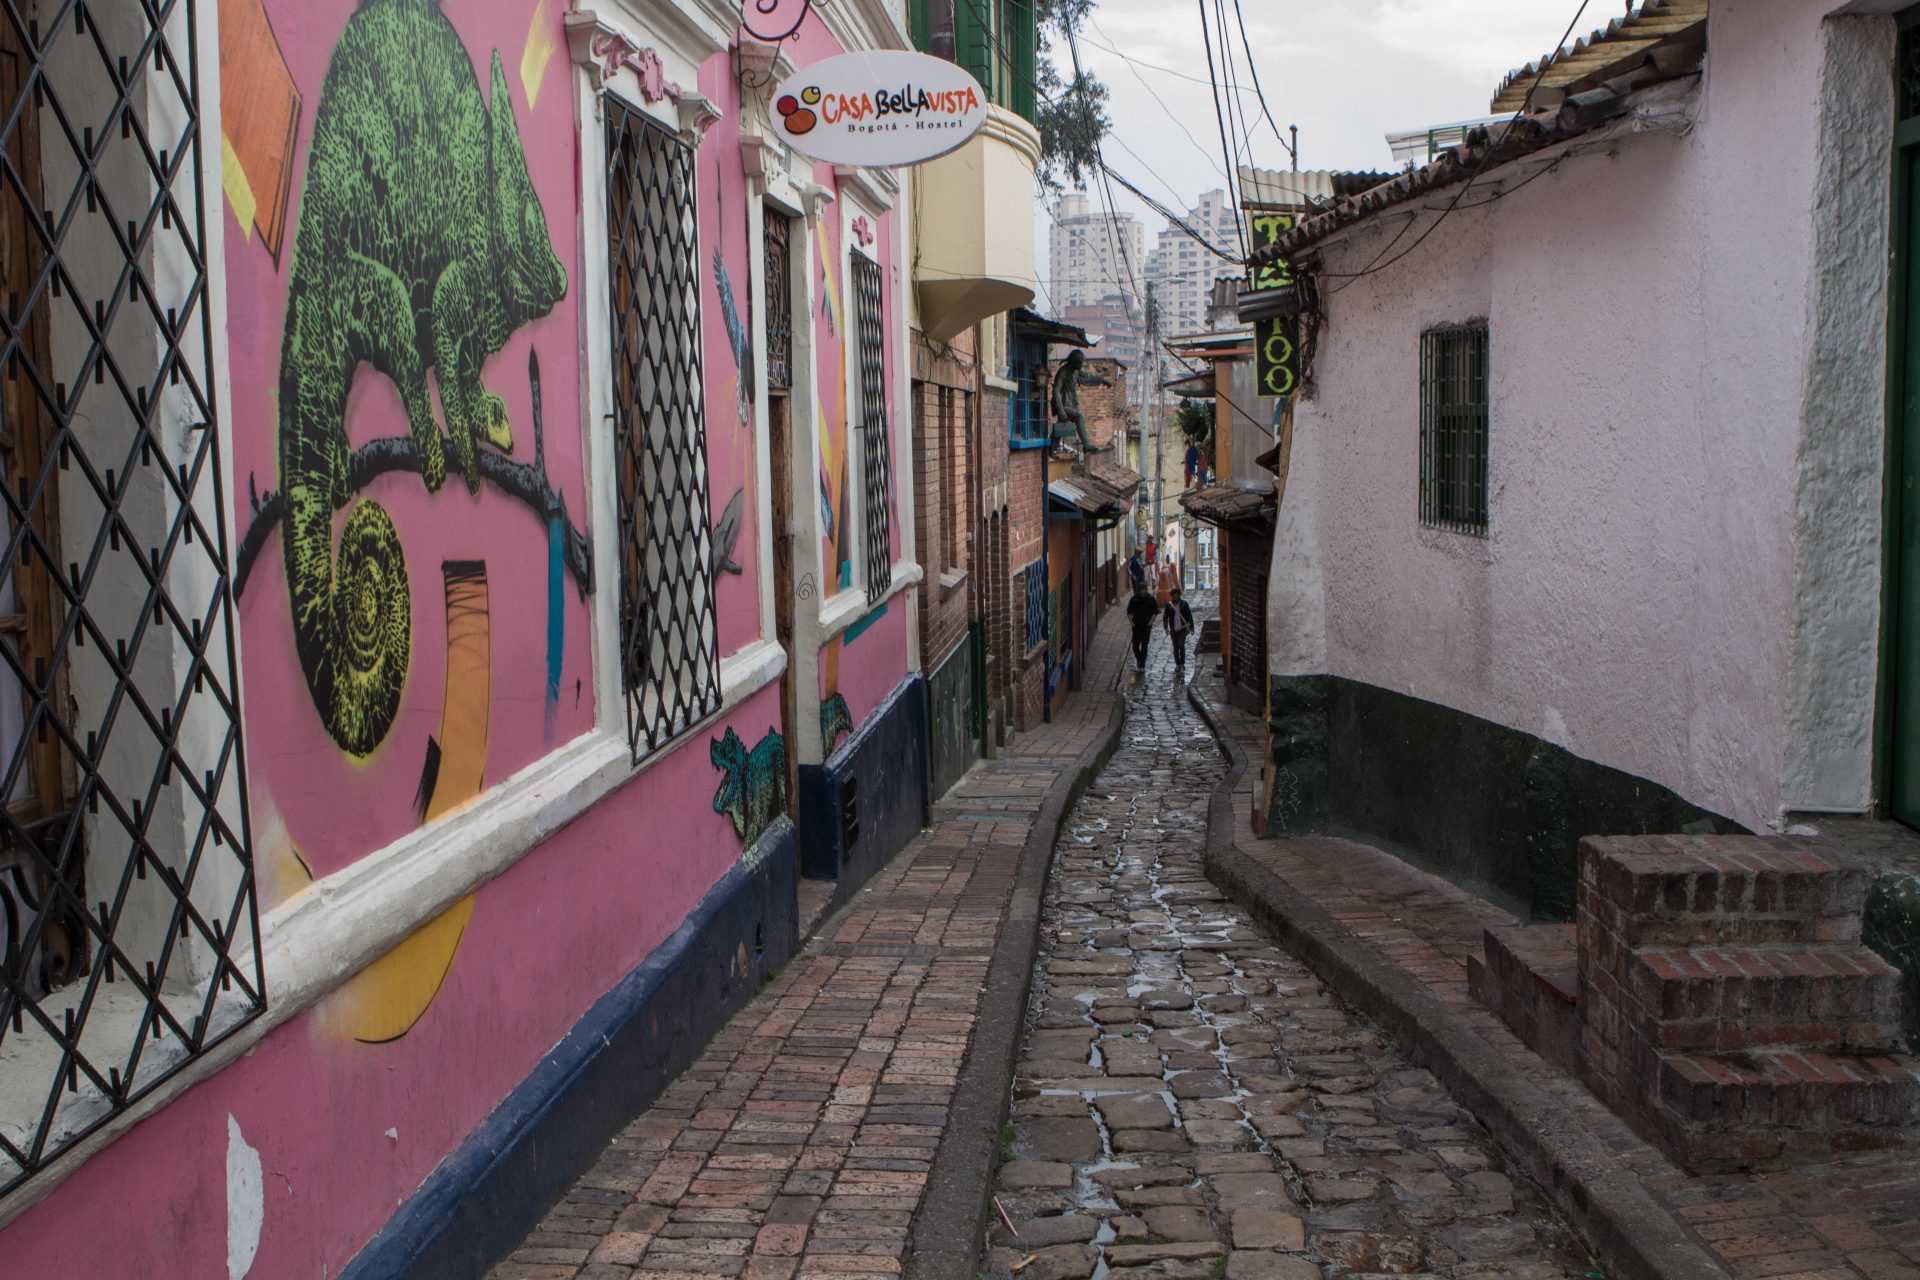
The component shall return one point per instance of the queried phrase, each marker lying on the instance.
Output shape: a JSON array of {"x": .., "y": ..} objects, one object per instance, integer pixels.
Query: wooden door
[{"x": 779, "y": 305}]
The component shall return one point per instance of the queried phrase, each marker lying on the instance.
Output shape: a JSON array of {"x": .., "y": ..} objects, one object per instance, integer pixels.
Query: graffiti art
[
  {"x": 835, "y": 721},
  {"x": 421, "y": 246},
  {"x": 773, "y": 20},
  {"x": 753, "y": 785}
]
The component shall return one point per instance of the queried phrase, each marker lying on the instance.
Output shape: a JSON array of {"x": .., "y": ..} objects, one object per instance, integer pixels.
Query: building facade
[
  {"x": 1644, "y": 573},
  {"x": 1093, "y": 254},
  {"x": 1182, "y": 270},
  {"x": 463, "y": 567}
]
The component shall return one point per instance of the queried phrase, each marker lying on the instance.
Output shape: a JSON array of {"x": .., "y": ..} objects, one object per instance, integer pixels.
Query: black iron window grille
[
  {"x": 128, "y": 925},
  {"x": 1039, "y": 623},
  {"x": 875, "y": 449},
  {"x": 778, "y": 236},
  {"x": 1453, "y": 428},
  {"x": 669, "y": 641}
]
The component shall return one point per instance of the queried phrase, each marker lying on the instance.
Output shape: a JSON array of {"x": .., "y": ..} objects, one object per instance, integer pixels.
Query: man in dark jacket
[
  {"x": 1136, "y": 571},
  {"x": 1140, "y": 612},
  {"x": 1179, "y": 624}
]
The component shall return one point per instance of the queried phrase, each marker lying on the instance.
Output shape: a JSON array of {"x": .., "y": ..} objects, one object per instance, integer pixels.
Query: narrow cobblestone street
[{"x": 1190, "y": 1102}]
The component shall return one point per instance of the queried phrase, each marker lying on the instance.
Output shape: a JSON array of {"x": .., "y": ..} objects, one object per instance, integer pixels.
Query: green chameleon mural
[
  {"x": 421, "y": 245},
  {"x": 753, "y": 786}
]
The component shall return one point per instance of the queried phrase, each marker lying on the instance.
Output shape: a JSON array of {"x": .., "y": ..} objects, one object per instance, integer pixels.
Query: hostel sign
[
  {"x": 1276, "y": 341},
  {"x": 877, "y": 110}
]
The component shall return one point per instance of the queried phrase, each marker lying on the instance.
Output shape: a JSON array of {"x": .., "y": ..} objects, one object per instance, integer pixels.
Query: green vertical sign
[{"x": 1276, "y": 343}]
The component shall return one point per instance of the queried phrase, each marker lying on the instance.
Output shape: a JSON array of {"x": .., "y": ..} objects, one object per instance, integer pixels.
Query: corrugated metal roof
[
  {"x": 1594, "y": 58},
  {"x": 1294, "y": 188}
]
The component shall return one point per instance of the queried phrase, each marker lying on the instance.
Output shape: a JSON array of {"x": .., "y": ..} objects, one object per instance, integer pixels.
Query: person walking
[
  {"x": 1178, "y": 618},
  {"x": 1140, "y": 612},
  {"x": 1136, "y": 571}
]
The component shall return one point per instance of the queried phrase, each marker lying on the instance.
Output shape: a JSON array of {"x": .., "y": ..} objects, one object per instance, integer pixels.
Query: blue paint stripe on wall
[
  {"x": 556, "y": 605},
  {"x": 495, "y": 1186}
]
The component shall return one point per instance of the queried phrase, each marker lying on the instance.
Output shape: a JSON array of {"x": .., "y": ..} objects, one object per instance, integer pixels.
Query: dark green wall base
[
  {"x": 1893, "y": 930},
  {"x": 1476, "y": 801},
  {"x": 953, "y": 742}
]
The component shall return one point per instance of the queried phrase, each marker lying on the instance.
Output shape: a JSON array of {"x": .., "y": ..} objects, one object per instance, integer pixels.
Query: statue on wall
[{"x": 1065, "y": 403}]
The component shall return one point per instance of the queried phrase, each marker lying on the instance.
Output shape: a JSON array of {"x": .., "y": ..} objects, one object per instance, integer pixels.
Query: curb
[
  {"x": 1634, "y": 1236},
  {"x": 950, "y": 1224}
]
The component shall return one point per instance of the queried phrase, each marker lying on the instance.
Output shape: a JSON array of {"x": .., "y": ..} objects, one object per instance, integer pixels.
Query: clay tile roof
[
  {"x": 1225, "y": 505},
  {"x": 1605, "y": 53}
]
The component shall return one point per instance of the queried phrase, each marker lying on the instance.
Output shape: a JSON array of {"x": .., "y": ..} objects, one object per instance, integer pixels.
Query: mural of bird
[
  {"x": 736, "y": 331},
  {"x": 727, "y": 533}
]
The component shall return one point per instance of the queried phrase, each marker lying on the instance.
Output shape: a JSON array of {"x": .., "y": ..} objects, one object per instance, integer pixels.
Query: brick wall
[
  {"x": 1105, "y": 406},
  {"x": 993, "y": 600},
  {"x": 1026, "y": 542},
  {"x": 943, "y": 409}
]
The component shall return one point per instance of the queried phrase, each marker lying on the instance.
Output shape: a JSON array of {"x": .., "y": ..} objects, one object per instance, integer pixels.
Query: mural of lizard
[{"x": 421, "y": 244}]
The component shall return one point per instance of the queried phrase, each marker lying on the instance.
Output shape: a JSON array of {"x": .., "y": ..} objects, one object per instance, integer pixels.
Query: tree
[{"x": 1072, "y": 114}]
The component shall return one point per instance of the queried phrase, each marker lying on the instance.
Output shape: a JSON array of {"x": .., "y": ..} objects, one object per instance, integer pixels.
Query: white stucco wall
[{"x": 1651, "y": 312}]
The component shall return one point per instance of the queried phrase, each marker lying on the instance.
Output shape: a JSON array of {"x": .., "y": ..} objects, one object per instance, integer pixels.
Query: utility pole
[
  {"x": 1152, "y": 353},
  {"x": 1153, "y": 417}
]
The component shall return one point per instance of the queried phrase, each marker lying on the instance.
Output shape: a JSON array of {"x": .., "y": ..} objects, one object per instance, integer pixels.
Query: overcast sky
[{"x": 1346, "y": 72}]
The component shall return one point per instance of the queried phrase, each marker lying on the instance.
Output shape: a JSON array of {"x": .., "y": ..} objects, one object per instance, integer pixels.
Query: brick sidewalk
[
  {"x": 800, "y": 1141},
  {"x": 1852, "y": 1218}
]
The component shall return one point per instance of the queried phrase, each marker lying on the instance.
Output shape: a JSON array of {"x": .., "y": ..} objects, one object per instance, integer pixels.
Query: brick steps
[
  {"x": 1529, "y": 976},
  {"x": 1842, "y": 997},
  {"x": 1714, "y": 992}
]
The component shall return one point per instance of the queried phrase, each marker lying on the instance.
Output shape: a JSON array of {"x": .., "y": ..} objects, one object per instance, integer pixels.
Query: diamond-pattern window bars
[
  {"x": 128, "y": 925},
  {"x": 670, "y": 646},
  {"x": 876, "y": 451}
]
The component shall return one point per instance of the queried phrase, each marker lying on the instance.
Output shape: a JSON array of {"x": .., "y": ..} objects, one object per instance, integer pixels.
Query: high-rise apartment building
[
  {"x": 1092, "y": 254},
  {"x": 1182, "y": 270}
]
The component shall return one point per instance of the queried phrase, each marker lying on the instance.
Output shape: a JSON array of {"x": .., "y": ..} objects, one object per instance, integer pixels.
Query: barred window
[
  {"x": 128, "y": 926},
  {"x": 875, "y": 448},
  {"x": 1453, "y": 428},
  {"x": 670, "y": 646},
  {"x": 1038, "y": 619},
  {"x": 1028, "y": 422}
]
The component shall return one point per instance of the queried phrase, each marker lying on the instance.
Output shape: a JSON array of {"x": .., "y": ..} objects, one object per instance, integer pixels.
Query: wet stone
[
  {"x": 1061, "y": 1138},
  {"x": 1035, "y": 1233},
  {"x": 1262, "y": 1130},
  {"x": 1035, "y": 1173},
  {"x": 1135, "y": 1113},
  {"x": 1268, "y": 1229},
  {"x": 1179, "y": 1222},
  {"x": 1248, "y": 1264}
]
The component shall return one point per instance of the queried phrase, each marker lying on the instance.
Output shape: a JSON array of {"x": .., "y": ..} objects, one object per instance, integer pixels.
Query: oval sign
[{"x": 879, "y": 109}]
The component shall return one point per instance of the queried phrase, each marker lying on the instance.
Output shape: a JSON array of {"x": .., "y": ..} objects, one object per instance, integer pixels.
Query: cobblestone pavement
[
  {"x": 1191, "y": 1103},
  {"x": 799, "y": 1143},
  {"x": 1853, "y": 1218}
]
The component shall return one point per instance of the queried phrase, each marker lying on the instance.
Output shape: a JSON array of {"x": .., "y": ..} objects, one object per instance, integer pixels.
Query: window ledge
[
  {"x": 998, "y": 383},
  {"x": 849, "y": 606},
  {"x": 340, "y": 924},
  {"x": 953, "y": 578}
]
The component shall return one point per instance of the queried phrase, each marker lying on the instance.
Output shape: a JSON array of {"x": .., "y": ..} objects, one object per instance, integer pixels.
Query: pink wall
[
  {"x": 298, "y": 769},
  {"x": 1647, "y": 312},
  {"x": 572, "y": 918},
  {"x": 539, "y": 950}
]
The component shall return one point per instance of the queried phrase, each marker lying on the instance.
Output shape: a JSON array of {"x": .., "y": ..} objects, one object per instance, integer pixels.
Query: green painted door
[{"x": 1903, "y": 425}]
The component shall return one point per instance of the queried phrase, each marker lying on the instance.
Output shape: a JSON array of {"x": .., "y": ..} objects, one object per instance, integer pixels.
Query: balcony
[{"x": 976, "y": 227}]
